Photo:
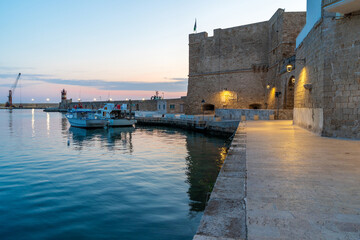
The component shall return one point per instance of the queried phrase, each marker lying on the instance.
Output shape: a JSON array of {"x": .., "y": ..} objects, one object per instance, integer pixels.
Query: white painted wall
[
  {"x": 161, "y": 106},
  {"x": 313, "y": 14}
]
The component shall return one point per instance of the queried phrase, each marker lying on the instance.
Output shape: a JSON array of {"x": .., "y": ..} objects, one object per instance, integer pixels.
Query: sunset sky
[{"x": 117, "y": 49}]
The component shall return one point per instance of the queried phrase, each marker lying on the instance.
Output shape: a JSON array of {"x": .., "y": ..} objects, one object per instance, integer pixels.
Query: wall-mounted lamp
[
  {"x": 293, "y": 79},
  {"x": 268, "y": 86},
  {"x": 289, "y": 67},
  {"x": 308, "y": 86}
]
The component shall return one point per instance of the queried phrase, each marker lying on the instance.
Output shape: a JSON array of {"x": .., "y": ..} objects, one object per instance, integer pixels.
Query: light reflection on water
[{"x": 121, "y": 183}]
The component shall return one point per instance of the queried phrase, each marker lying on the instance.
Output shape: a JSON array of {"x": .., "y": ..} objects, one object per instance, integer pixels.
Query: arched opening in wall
[
  {"x": 289, "y": 95},
  {"x": 255, "y": 106},
  {"x": 208, "y": 108}
]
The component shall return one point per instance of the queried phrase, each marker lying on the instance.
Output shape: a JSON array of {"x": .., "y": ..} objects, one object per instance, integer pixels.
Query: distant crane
[{"x": 11, "y": 92}]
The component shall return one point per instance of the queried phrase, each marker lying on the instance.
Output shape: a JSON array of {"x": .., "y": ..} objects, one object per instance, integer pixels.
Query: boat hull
[
  {"x": 121, "y": 122},
  {"x": 87, "y": 123}
]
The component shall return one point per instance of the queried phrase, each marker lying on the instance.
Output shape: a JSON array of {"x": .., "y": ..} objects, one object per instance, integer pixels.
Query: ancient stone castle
[
  {"x": 245, "y": 66},
  {"x": 308, "y": 62}
]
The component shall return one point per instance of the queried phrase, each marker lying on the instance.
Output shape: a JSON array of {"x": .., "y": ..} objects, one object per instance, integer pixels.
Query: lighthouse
[{"x": 64, "y": 104}]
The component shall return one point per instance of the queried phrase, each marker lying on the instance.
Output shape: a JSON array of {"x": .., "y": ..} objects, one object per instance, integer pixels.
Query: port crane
[{"x": 12, "y": 91}]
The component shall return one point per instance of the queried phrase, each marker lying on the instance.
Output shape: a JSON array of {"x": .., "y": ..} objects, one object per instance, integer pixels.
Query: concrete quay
[
  {"x": 206, "y": 124},
  {"x": 225, "y": 215},
  {"x": 280, "y": 181},
  {"x": 300, "y": 185}
]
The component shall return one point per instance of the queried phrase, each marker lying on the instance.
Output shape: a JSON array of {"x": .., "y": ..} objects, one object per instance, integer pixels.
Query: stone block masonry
[
  {"x": 232, "y": 68},
  {"x": 331, "y": 107}
]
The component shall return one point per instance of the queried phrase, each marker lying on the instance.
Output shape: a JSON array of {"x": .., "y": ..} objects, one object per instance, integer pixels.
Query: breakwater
[
  {"x": 32, "y": 105},
  {"x": 207, "y": 124}
]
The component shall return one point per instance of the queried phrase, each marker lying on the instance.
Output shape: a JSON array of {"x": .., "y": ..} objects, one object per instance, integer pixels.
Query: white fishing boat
[
  {"x": 116, "y": 116},
  {"x": 85, "y": 118}
]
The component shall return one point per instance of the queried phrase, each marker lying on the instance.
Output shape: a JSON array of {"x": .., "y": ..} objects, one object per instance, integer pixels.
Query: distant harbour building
[
  {"x": 244, "y": 67},
  {"x": 327, "y": 74}
]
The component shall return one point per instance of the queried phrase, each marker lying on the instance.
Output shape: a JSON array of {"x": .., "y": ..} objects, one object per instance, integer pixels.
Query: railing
[{"x": 329, "y": 2}]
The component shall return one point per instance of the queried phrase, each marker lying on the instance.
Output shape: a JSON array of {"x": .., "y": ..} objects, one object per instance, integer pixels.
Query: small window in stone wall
[
  {"x": 255, "y": 106},
  {"x": 164, "y": 106},
  {"x": 208, "y": 107},
  {"x": 159, "y": 106},
  {"x": 172, "y": 106}
]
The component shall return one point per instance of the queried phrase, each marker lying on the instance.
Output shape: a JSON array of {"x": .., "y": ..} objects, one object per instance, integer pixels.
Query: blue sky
[{"x": 101, "y": 48}]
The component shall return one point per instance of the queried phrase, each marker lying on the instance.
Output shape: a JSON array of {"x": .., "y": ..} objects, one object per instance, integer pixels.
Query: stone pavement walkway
[{"x": 299, "y": 185}]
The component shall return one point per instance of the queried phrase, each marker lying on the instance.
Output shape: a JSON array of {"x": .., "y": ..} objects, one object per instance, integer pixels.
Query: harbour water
[{"x": 58, "y": 182}]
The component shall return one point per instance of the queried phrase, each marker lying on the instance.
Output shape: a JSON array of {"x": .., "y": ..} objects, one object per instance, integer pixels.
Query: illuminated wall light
[
  {"x": 289, "y": 67},
  {"x": 268, "y": 86}
]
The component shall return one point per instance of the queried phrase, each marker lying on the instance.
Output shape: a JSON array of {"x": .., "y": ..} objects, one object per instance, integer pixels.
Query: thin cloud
[
  {"x": 14, "y": 68},
  {"x": 176, "y": 85},
  {"x": 23, "y": 76},
  {"x": 176, "y": 79}
]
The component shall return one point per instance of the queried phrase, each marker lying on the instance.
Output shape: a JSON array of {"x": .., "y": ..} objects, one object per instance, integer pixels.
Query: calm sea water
[{"x": 58, "y": 182}]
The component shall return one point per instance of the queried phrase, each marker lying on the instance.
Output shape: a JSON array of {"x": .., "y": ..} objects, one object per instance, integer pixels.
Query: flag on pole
[{"x": 195, "y": 26}]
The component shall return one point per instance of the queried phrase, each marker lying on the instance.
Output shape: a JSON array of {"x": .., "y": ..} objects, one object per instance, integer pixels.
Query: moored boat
[
  {"x": 116, "y": 116},
  {"x": 85, "y": 118}
]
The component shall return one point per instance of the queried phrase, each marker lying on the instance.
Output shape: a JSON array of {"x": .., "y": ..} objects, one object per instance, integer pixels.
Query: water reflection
[
  {"x": 121, "y": 135},
  {"x": 203, "y": 163},
  {"x": 202, "y": 169},
  {"x": 33, "y": 122},
  {"x": 114, "y": 137},
  {"x": 11, "y": 120},
  {"x": 206, "y": 156},
  {"x": 48, "y": 123},
  {"x": 64, "y": 124}
]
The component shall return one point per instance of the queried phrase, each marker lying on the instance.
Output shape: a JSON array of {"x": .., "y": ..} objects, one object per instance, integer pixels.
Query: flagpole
[{"x": 195, "y": 27}]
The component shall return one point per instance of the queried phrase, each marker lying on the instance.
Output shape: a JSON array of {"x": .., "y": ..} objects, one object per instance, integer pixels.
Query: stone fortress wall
[
  {"x": 330, "y": 103},
  {"x": 233, "y": 68}
]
